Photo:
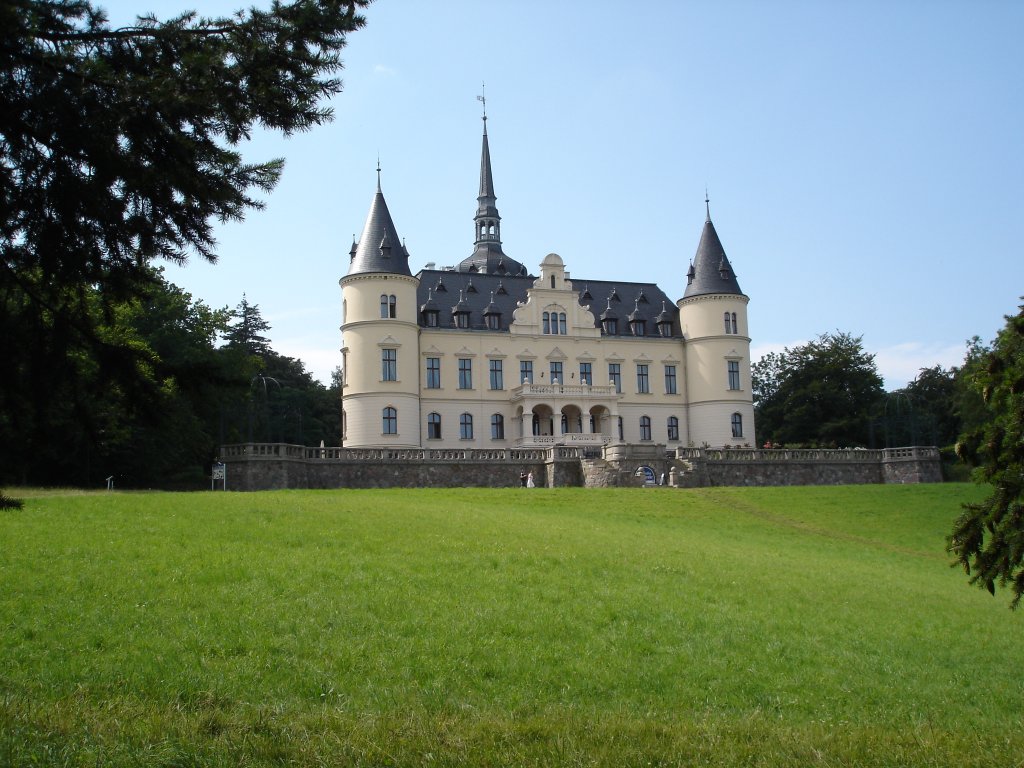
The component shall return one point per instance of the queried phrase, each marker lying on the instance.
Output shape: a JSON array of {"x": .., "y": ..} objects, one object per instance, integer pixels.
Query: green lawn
[{"x": 769, "y": 626}]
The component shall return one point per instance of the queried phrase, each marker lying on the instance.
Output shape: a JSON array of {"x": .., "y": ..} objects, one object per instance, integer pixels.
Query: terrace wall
[{"x": 265, "y": 466}]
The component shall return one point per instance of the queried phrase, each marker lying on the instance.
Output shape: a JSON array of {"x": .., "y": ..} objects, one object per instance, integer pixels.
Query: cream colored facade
[{"x": 407, "y": 384}]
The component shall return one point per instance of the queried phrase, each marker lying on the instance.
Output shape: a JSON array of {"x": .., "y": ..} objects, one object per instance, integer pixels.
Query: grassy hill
[{"x": 723, "y": 626}]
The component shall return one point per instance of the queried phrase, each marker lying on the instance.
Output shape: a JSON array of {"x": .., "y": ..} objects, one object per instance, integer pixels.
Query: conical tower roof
[
  {"x": 379, "y": 248},
  {"x": 710, "y": 271}
]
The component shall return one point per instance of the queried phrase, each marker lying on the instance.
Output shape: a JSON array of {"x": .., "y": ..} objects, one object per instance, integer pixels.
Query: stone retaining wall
[{"x": 265, "y": 466}]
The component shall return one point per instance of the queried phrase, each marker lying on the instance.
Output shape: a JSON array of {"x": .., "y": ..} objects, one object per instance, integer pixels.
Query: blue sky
[{"x": 865, "y": 161}]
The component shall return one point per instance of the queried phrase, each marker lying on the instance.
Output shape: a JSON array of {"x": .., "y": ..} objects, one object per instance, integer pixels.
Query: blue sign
[{"x": 647, "y": 474}]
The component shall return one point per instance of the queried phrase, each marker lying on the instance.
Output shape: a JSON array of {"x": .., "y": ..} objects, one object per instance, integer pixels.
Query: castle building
[{"x": 486, "y": 355}]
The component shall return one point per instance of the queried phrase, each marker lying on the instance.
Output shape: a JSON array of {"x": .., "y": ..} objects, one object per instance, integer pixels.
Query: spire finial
[
  {"x": 378, "y": 172},
  {"x": 707, "y": 202},
  {"x": 482, "y": 98}
]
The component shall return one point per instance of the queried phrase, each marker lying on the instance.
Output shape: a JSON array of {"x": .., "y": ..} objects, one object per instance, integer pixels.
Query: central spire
[{"x": 488, "y": 257}]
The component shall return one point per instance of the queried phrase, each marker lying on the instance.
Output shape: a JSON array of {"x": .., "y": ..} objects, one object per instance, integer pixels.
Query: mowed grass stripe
[{"x": 551, "y": 625}]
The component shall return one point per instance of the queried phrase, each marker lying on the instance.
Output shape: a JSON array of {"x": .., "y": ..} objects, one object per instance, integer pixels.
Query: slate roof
[
  {"x": 647, "y": 300},
  {"x": 379, "y": 249},
  {"x": 710, "y": 271}
]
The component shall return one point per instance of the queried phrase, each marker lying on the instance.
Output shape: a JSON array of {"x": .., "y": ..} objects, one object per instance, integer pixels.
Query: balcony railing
[{"x": 591, "y": 391}]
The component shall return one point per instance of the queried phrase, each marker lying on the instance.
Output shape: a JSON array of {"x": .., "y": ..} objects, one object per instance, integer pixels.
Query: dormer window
[
  {"x": 430, "y": 311},
  {"x": 610, "y": 321},
  {"x": 637, "y": 324},
  {"x": 492, "y": 315},
  {"x": 664, "y": 321},
  {"x": 460, "y": 312}
]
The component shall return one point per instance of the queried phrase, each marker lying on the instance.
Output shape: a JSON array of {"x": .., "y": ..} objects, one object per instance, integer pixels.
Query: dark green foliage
[
  {"x": 119, "y": 147},
  {"x": 151, "y": 425},
  {"x": 821, "y": 393},
  {"x": 282, "y": 401},
  {"x": 988, "y": 537}
]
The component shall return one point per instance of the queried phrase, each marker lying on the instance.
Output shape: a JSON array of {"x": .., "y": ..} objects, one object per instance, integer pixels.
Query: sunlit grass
[{"x": 774, "y": 626}]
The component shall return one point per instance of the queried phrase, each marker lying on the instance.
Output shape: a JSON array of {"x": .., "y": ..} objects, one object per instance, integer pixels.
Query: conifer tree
[{"x": 988, "y": 537}]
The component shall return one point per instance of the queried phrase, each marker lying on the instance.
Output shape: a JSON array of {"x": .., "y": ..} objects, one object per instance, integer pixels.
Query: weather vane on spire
[{"x": 482, "y": 98}]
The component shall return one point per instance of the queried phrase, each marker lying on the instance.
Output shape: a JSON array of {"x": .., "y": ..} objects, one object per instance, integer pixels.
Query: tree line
[
  {"x": 197, "y": 378},
  {"x": 828, "y": 393}
]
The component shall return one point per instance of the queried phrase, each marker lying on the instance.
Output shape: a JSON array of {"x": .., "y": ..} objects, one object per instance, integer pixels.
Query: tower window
[
  {"x": 388, "y": 305},
  {"x": 389, "y": 365},
  {"x": 734, "y": 374},
  {"x": 737, "y": 425},
  {"x": 389, "y": 421}
]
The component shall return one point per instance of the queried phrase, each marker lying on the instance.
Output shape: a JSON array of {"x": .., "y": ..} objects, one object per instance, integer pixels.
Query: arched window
[
  {"x": 389, "y": 418},
  {"x": 728, "y": 326},
  {"x": 673, "y": 428},
  {"x": 645, "y": 427},
  {"x": 466, "y": 426},
  {"x": 734, "y": 323},
  {"x": 497, "y": 427},
  {"x": 383, "y": 305},
  {"x": 546, "y": 323},
  {"x": 737, "y": 425},
  {"x": 561, "y": 323},
  {"x": 388, "y": 305},
  {"x": 552, "y": 281},
  {"x": 434, "y": 426}
]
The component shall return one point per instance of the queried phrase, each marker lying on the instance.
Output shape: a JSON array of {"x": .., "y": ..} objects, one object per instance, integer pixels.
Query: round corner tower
[
  {"x": 380, "y": 339},
  {"x": 713, "y": 319}
]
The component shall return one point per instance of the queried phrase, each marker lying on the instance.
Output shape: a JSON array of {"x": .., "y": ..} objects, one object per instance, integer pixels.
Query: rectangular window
[
  {"x": 670, "y": 379},
  {"x": 433, "y": 373},
  {"x": 734, "y": 374},
  {"x": 497, "y": 378},
  {"x": 673, "y": 428},
  {"x": 556, "y": 371},
  {"x": 645, "y": 427},
  {"x": 465, "y": 373},
  {"x": 586, "y": 374},
  {"x": 526, "y": 371},
  {"x": 389, "y": 365},
  {"x": 643, "y": 382},
  {"x": 615, "y": 376}
]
